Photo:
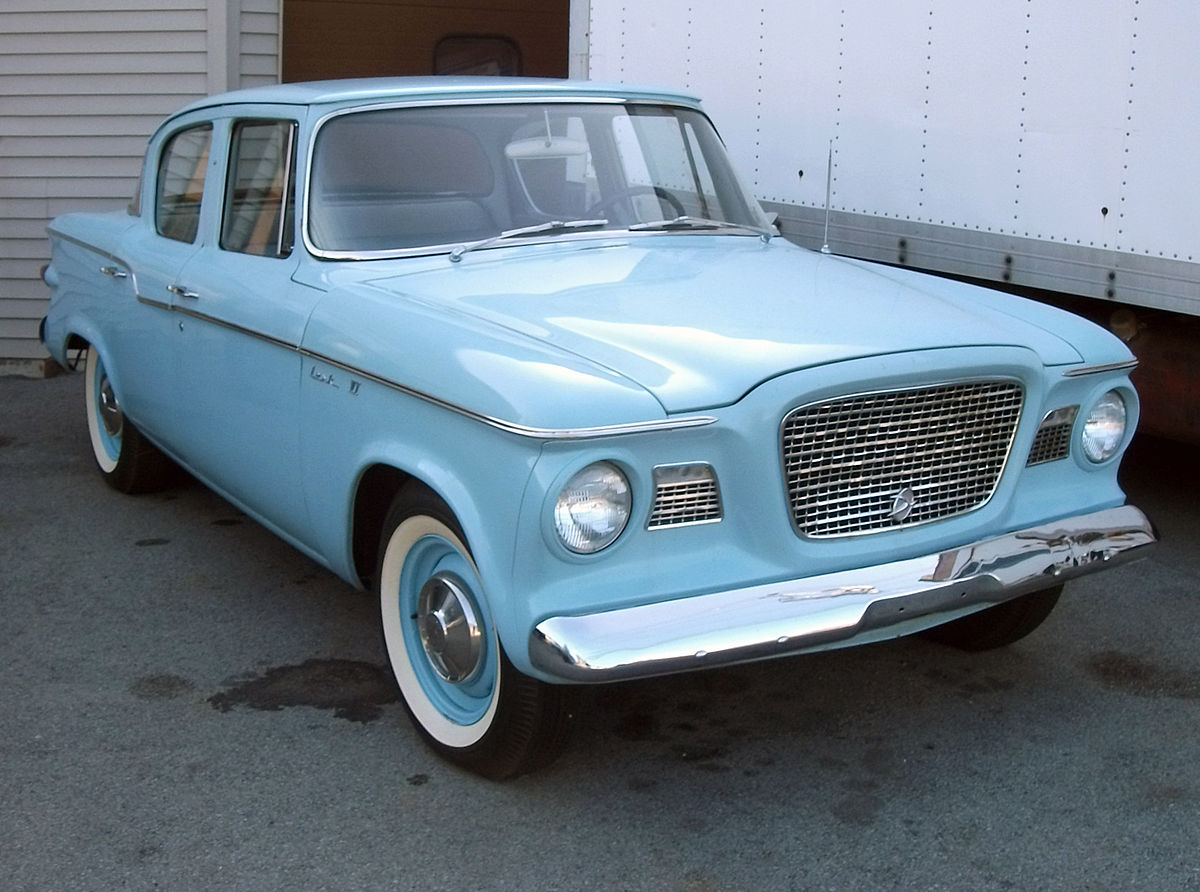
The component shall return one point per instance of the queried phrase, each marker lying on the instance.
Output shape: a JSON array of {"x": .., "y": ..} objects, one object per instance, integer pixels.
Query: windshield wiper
[
  {"x": 684, "y": 223},
  {"x": 551, "y": 226}
]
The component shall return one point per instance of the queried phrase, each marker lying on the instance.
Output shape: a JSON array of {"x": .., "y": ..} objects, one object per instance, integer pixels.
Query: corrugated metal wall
[{"x": 83, "y": 83}]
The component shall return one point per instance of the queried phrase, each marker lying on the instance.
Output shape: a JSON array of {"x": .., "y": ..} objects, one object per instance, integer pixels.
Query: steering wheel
[{"x": 601, "y": 207}]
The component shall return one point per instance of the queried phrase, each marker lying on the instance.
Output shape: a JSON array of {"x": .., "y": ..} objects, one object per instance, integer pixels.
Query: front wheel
[
  {"x": 463, "y": 695},
  {"x": 1000, "y": 625},
  {"x": 128, "y": 461}
]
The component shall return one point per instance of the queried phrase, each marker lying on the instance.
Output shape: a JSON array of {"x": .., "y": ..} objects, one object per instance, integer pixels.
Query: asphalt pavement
[{"x": 188, "y": 703}]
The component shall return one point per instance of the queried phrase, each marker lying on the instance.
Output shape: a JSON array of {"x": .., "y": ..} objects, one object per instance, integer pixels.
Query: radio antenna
[{"x": 828, "y": 197}]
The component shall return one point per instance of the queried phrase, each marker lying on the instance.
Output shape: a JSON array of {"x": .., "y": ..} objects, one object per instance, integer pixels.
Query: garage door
[{"x": 369, "y": 38}]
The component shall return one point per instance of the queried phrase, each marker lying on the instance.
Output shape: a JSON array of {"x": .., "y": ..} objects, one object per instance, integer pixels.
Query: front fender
[{"x": 356, "y": 424}]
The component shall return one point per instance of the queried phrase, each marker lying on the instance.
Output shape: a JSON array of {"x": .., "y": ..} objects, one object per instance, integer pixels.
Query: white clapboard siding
[{"x": 83, "y": 83}]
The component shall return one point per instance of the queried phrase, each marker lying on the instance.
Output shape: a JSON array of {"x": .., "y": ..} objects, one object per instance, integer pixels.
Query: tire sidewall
[
  {"x": 104, "y": 445},
  {"x": 408, "y": 532}
]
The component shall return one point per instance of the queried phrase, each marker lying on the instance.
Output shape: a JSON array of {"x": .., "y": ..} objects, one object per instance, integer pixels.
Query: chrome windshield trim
[
  {"x": 511, "y": 427},
  {"x": 833, "y": 609},
  {"x": 1123, "y": 366},
  {"x": 615, "y": 235}
]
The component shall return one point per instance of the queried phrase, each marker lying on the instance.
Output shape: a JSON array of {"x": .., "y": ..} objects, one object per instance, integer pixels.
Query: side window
[
  {"x": 259, "y": 205},
  {"x": 181, "y": 183}
]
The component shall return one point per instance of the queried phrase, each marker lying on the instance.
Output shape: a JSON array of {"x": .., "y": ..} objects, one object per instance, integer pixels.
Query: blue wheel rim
[{"x": 465, "y": 702}]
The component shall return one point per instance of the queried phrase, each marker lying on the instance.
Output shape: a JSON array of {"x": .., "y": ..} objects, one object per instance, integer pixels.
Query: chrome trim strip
[
  {"x": 833, "y": 609},
  {"x": 1126, "y": 365},
  {"x": 289, "y": 189},
  {"x": 151, "y": 302},
  {"x": 615, "y": 235},
  {"x": 62, "y": 236},
  {"x": 521, "y": 430}
]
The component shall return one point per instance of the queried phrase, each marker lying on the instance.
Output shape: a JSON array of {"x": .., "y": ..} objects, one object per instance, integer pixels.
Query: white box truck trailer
[{"x": 1048, "y": 146}]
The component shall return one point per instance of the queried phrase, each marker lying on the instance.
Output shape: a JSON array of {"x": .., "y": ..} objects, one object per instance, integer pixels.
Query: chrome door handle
[
  {"x": 180, "y": 291},
  {"x": 114, "y": 272}
]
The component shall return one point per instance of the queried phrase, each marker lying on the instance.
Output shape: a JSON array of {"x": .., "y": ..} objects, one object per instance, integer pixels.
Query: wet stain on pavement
[
  {"x": 6, "y": 441},
  {"x": 227, "y": 522},
  {"x": 1133, "y": 675},
  {"x": 142, "y": 543},
  {"x": 355, "y": 691}
]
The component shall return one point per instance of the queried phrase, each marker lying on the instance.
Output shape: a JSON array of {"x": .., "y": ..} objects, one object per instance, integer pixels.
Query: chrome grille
[
  {"x": 684, "y": 494},
  {"x": 880, "y": 461}
]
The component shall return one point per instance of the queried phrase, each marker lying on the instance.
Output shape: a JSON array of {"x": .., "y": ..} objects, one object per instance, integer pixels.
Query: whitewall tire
[{"x": 462, "y": 693}]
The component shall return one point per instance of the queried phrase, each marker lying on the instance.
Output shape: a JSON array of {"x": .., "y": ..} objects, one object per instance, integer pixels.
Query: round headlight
[
  {"x": 1104, "y": 430},
  {"x": 593, "y": 508}
]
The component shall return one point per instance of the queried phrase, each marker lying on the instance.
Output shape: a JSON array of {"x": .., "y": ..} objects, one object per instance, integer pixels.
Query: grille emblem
[{"x": 903, "y": 503}]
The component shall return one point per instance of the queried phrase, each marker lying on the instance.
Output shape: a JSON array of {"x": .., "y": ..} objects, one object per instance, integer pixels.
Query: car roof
[{"x": 416, "y": 89}]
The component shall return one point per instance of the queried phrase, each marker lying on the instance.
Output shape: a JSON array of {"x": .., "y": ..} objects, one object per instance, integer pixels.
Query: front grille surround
[{"x": 882, "y": 461}]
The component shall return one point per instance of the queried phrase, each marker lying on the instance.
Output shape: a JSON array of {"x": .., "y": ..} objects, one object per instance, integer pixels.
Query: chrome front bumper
[{"x": 834, "y": 609}]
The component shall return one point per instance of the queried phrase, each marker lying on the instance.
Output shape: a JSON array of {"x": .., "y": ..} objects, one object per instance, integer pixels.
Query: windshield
[{"x": 395, "y": 180}]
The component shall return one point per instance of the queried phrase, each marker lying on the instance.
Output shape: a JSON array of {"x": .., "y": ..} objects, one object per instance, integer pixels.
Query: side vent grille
[
  {"x": 685, "y": 495},
  {"x": 1053, "y": 438}
]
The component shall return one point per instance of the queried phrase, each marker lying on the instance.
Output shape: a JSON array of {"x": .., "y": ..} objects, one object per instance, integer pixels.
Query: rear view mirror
[{"x": 539, "y": 147}]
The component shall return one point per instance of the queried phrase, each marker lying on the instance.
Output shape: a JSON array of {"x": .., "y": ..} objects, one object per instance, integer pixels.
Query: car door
[
  {"x": 240, "y": 319},
  {"x": 168, "y": 232}
]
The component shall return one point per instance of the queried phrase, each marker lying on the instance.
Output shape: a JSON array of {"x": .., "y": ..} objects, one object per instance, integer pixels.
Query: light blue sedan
[{"x": 526, "y": 359}]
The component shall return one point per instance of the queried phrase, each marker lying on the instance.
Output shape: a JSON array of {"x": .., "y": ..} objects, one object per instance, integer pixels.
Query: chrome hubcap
[
  {"x": 449, "y": 624},
  {"x": 110, "y": 412}
]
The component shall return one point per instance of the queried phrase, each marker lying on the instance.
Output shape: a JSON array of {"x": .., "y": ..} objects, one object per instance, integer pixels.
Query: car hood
[{"x": 700, "y": 321}]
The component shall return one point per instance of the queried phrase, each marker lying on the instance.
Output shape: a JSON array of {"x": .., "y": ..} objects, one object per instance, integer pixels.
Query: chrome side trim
[
  {"x": 151, "y": 302},
  {"x": 511, "y": 427},
  {"x": 833, "y": 609},
  {"x": 70, "y": 239},
  {"x": 1126, "y": 365},
  {"x": 521, "y": 430}
]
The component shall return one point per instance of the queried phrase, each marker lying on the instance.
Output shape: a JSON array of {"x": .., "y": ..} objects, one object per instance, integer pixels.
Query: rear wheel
[
  {"x": 1000, "y": 625},
  {"x": 465, "y": 698},
  {"x": 127, "y": 460}
]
